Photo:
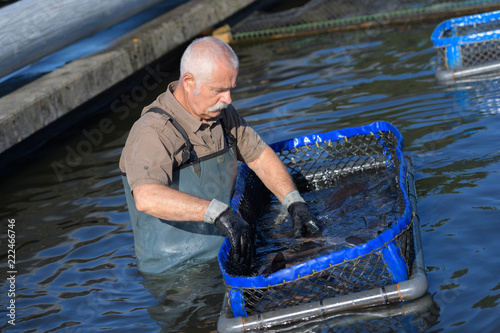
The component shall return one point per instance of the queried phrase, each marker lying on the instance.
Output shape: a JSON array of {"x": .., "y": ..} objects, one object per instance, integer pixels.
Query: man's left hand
[{"x": 304, "y": 222}]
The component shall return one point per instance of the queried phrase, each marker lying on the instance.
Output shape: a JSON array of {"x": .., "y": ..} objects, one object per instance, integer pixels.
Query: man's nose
[{"x": 226, "y": 97}]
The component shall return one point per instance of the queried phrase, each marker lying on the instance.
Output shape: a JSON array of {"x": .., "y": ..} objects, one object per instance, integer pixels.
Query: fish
[
  {"x": 373, "y": 227},
  {"x": 337, "y": 205},
  {"x": 339, "y": 197},
  {"x": 280, "y": 262},
  {"x": 277, "y": 264},
  {"x": 355, "y": 240},
  {"x": 374, "y": 222}
]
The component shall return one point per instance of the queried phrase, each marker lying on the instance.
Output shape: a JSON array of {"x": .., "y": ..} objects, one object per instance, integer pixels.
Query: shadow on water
[{"x": 74, "y": 244}]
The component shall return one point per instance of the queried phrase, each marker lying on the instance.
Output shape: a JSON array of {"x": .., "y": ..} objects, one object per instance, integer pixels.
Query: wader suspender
[{"x": 189, "y": 151}]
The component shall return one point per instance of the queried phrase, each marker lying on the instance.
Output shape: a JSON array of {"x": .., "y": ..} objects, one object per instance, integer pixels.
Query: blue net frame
[
  {"x": 468, "y": 41},
  {"x": 317, "y": 161}
]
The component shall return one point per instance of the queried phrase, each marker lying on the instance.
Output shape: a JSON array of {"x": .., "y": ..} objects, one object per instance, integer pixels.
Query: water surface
[{"x": 74, "y": 244}]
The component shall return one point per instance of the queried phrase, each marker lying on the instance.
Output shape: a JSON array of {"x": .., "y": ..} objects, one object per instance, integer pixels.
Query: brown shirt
[{"x": 154, "y": 147}]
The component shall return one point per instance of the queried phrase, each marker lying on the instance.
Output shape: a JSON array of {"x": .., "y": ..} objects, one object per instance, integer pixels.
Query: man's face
[{"x": 214, "y": 94}]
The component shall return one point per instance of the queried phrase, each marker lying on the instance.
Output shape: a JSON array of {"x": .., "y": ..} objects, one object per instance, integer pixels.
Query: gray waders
[{"x": 161, "y": 244}]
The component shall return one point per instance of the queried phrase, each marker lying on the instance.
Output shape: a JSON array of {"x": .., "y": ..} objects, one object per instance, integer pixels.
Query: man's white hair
[{"x": 201, "y": 56}]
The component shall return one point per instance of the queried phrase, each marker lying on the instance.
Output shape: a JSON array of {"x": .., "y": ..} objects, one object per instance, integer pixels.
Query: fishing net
[
  {"x": 468, "y": 41},
  {"x": 277, "y": 19},
  {"x": 316, "y": 162}
]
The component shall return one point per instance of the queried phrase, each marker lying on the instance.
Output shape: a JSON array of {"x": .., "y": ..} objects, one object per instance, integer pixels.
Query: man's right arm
[
  {"x": 147, "y": 159},
  {"x": 169, "y": 204}
]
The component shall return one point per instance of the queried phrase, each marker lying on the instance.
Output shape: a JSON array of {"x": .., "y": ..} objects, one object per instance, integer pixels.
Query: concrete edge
[{"x": 36, "y": 105}]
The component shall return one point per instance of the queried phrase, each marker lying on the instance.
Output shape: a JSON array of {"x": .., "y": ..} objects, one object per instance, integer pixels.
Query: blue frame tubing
[{"x": 454, "y": 43}]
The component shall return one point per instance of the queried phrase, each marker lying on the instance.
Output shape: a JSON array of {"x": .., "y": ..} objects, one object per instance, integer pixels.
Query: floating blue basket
[
  {"x": 388, "y": 268},
  {"x": 468, "y": 45}
]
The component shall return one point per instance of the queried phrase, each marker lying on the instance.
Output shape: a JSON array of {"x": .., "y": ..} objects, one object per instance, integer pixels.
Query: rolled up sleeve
[
  {"x": 146, "y": 159},
  {"x": 249, "y": 143}
]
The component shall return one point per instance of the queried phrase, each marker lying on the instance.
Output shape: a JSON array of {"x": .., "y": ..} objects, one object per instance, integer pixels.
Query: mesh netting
[
  {"x": 321, "y": 165},
  {"x": 363, "y": 273},
  {"x": 317, "y": 162},
  {"x": 469, "y": 41},
  {"x": 288, "y": 18}
]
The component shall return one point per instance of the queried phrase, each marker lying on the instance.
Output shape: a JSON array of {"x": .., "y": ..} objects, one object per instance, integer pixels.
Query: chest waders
[{"x": 161, "y": 244}]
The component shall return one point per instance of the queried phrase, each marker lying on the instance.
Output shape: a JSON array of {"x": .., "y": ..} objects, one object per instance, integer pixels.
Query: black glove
[
  {"x": 240, "y": 235},
  {"x": 304, "y": 222}
]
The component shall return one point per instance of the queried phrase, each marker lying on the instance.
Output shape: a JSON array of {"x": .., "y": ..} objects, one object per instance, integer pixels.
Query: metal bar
[{"x": 481, "y": 71}]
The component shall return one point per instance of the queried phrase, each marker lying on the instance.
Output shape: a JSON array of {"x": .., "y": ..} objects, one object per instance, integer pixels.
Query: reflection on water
[{"x": 74, "y": 244}]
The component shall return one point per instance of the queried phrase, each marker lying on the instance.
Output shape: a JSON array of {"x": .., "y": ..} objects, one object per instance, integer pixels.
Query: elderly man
[{"x": 179, "y": 167}]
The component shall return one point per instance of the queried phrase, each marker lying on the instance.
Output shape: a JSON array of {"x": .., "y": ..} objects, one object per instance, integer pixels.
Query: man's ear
[{"x": 188, "y": 82}]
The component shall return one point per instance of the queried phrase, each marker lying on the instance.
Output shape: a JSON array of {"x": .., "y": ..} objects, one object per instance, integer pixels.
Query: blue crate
[
  {"x": 388, "y": 268},
  {"x": 468, "y": 45}
]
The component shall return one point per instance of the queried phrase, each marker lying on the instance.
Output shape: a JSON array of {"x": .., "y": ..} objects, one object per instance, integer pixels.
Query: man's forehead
[
  {"x": 221, "y": 85},
  {"x": 225, "y": 78}
]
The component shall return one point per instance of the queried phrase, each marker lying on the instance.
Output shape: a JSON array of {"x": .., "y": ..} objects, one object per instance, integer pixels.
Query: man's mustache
[{"x": 217, "y": 107}]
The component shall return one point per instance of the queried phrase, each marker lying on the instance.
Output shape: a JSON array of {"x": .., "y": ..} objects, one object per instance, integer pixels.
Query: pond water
[{"x": 75, "y": 265}]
